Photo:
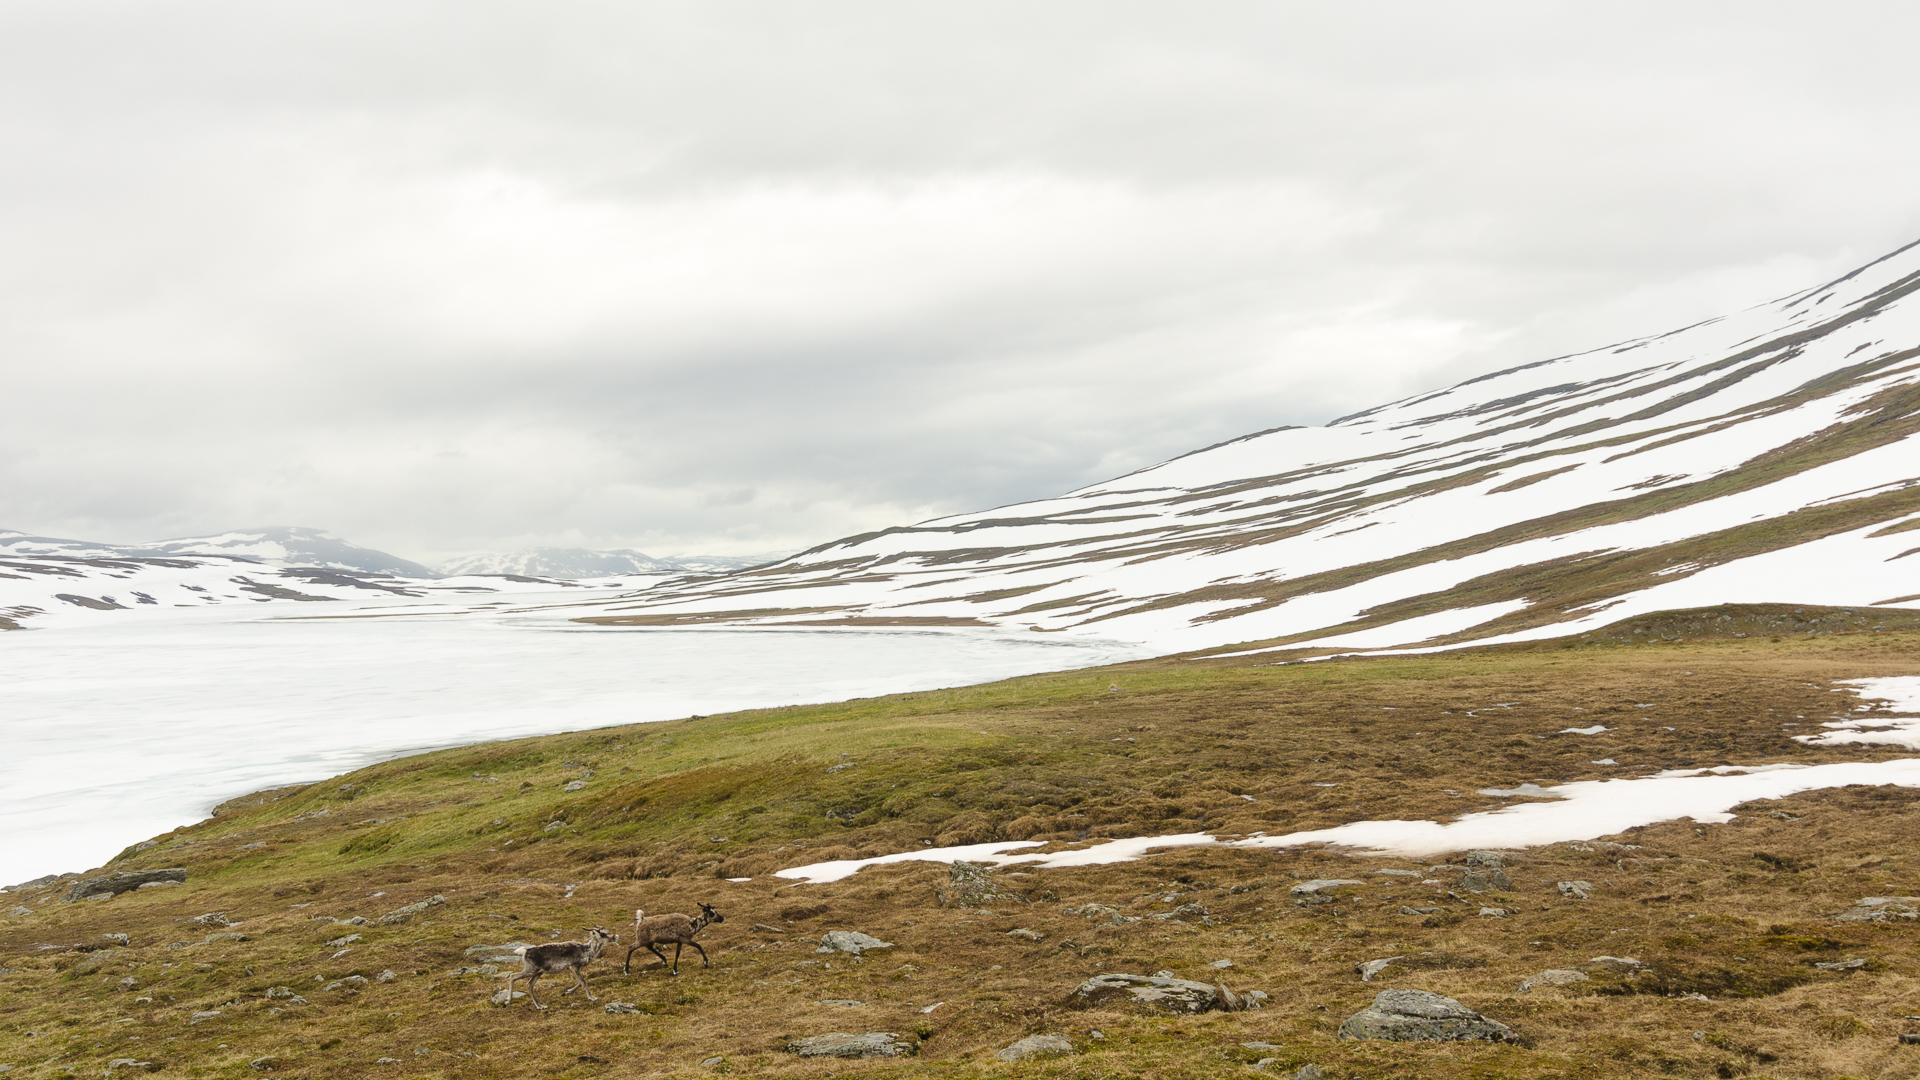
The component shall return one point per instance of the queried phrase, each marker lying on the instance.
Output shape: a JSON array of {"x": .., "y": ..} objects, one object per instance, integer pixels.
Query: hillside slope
[
  {"x": 1740, "y": 941},
  {"x": 1766, "y": 456}
]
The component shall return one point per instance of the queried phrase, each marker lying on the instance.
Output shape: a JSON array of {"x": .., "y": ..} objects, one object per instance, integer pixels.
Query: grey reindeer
[
  {"x": 558, "y": 956},
  {"x": 675, "y": 929}
]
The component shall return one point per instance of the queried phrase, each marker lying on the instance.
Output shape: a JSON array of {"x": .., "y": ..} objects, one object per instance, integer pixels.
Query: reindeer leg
[
  {"x": 676, "y": 957},
  {"x": 510, "y": 980},
  {"x": 655, "y": 950},
  {"x": 704, "y": 962},
  {"x": 581, "y": 981},
  {"x": 534, "y": 978},
  {"x": 626, "y": 966}
]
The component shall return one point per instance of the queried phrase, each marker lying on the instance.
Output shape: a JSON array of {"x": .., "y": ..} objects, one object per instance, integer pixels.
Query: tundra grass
[{"x": 1729, "y": 920}]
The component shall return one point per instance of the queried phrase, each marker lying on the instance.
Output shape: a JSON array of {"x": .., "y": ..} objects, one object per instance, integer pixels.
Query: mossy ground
[{"x": 672, "y": 810}]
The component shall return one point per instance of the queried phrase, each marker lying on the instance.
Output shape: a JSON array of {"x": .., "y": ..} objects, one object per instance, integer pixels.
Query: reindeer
[
  {"x": 676, "y": 928},
  {"x": 558, "y": 956}
]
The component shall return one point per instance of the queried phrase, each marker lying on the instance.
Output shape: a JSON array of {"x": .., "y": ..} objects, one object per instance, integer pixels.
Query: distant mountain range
[
  {"x": 576, "y": 563},
  {"x": 47, "y": 579},
  {"x": 283, "y": 545},
  {"x": 275, "y": 546}
]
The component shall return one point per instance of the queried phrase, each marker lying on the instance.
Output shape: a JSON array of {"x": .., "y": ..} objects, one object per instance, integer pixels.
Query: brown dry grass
[{"x": 674, "y": 808}]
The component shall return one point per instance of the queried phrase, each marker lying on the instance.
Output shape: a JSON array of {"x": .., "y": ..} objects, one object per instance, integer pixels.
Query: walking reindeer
[
  {"x": 675, "y": 929},
  {"x": 558, "y": 956}
]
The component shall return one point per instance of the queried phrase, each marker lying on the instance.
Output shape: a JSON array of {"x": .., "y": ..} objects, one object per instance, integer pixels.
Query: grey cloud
[{"x": 748, "y": 276}]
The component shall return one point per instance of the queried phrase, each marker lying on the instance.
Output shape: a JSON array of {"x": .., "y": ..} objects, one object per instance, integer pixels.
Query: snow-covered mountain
[
  {"x": 553, "y": 562},
  {"x": 279, "y": 545},
  {"x": 1765, "y": 456},
  {"x": 48, "y": 581}
]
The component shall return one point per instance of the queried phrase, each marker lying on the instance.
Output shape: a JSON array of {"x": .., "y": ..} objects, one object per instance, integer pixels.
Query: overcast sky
[{"x": 744, "y": 277}]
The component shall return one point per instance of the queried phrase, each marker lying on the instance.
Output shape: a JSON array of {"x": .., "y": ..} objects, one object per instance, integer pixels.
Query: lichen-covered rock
[
  {"x": 1036, "y": 1046},
  {"x": 973, "y": 885},
  {"x": 1320, "y": 885},
  {"x": 402, "y": 914},
  {"x": 98, "y": 960},
  {"x": 1160, "y": 992},
  {"x": 850, "y": 941},
  {"x": 1486, "y": 879},
  {"x": 1853, "y": 964},
  {"x": 841, "y": 1044},
  {"x": 123, "y": 881},
  {"x": 1369, "y": 968},
  {"x": 1552, "y": 977},
  {"x": 1614, "y": 965},
  {"x": 1576, "y": 890},
  {"x": 1422, "y": 1016},
  {"x": 1883, "y": 909}
]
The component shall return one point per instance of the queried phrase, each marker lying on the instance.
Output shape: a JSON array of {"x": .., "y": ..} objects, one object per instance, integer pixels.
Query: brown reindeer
[
  {"x": 558, "y": 956},
  {"x": 676, "y": 928}
]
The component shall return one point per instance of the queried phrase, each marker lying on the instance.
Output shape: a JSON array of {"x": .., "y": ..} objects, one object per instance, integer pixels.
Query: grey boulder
[
  {"x": 1036, "y": 1046},
  {"x": 1422, "y": 1016},
  {"x": 841, "y": 1044}
]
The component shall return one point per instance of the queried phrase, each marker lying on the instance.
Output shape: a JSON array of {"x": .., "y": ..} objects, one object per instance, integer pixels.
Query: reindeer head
[
  {"x": 599, "y": 937},
  {"x": 709, "y": 915}
]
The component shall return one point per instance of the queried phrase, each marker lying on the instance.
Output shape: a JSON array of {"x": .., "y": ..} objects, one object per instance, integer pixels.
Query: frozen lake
[{"x": 118, "y": 732}]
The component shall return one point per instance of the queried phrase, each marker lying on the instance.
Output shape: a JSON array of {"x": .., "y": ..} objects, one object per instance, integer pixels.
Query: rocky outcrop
[
  {"x": 1422, "y": 1016},
  {"x": 123, "y": 881},
  {"x": 1161, "y": 992},
  {"x": 841, "y": 1044},
  {"x": 973, "y": 885}
]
